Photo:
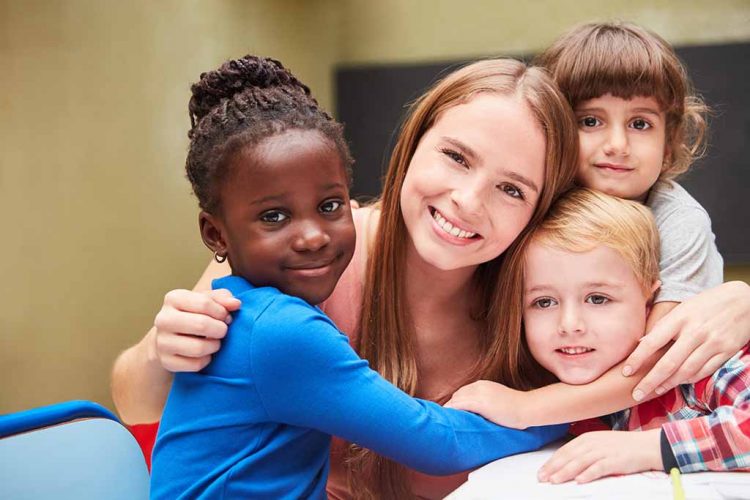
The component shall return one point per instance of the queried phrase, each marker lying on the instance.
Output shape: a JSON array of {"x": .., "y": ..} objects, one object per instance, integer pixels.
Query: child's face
[
  {"x": 473, "y": 181},
  {"x": 622, "y": 145},
  {"x": 583, "y": 312},
  {"x": 285, "y": 217}
]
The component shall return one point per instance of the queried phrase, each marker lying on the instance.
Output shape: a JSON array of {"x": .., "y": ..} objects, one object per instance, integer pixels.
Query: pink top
[{"x": 344, "y": 308}]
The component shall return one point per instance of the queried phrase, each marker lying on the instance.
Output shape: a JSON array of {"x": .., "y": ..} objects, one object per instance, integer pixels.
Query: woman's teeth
[
  {"x": 574, "y": 350},
  {"x": 450, "y": 228}
]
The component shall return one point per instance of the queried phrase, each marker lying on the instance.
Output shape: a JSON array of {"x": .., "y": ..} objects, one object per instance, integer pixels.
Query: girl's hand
[
  {"x": 707, "y": 330},
  {"x": 189, "y": 328},
  {"x": 495, "y": 402},
  {"x": 604, "y": 453}
]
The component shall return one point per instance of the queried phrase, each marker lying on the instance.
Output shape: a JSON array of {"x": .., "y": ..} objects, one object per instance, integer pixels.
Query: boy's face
[
  {"x": 583, "y": 312},
  {"x": 285, "y": 218},
  {"x": 622, "y": 145}
]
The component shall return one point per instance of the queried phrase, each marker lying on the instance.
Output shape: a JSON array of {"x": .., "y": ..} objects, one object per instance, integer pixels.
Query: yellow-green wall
[{"x": 98, "y": 218}]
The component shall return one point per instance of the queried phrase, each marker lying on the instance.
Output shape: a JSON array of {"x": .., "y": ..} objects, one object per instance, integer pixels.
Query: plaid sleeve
[{"x": 719, "y": 441}]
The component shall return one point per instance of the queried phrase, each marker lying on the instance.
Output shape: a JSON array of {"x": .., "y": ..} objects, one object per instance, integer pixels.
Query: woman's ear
[{"x": 212, "y": 233}]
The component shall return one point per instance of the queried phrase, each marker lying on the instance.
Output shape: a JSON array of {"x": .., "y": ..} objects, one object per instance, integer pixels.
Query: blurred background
[{"x": 93, "y": 120}]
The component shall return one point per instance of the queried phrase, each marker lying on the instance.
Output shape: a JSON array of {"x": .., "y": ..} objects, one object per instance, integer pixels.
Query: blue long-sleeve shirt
[{"x": 257, "y": 421}]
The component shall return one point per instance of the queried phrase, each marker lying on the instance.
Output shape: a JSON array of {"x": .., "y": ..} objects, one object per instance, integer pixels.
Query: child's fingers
[
  {"x": 186, "y": 346},
  {"x": 596, "y": 470},
  {"x": 672, "y": 363},
  {"x": 183, "y": 364},
  {"x": 575, "y": 466},
  {"x": 557, "y": 461}
]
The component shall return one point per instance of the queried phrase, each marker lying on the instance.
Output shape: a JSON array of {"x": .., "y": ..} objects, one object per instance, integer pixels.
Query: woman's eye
[
  {"x": 330, "y": 206},
  {"x": 512, "y": 190},
  {"x": 640, "y": 124},
  {"x": 544, "y": 303},
  {"x": 589, "y": 121},
  {"x": 455, "y": 156},
  {"x": 597, "y": 300},
  {"x": 273, "y": 216}
]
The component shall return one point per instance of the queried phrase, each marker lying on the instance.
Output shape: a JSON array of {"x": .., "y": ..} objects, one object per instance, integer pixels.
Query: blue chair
[{"x": 74, "y": 450}]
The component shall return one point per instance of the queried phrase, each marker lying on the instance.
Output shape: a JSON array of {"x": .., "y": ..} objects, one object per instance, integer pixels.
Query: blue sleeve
[{"x": 307, "y": 375}]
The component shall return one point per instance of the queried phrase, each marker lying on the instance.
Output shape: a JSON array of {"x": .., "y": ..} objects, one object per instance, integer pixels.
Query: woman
[{"x": 436, "y": 301}]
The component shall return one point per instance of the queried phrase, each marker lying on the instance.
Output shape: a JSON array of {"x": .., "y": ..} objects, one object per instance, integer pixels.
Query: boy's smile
[
  {"x": 583, "y": 311},
  {"x": 622, "y": 145},
  {"x": 285, "y": 219}
]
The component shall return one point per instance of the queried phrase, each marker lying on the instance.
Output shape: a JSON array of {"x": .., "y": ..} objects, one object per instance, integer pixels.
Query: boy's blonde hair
[
  {"x": 626, "y": 60},
  {"x": 584, "y": 219}
]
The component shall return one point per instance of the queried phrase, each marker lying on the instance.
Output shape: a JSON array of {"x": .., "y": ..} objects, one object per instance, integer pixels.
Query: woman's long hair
[{"x": 386, "y": 336}]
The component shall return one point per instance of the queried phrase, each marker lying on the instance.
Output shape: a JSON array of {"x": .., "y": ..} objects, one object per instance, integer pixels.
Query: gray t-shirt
[{"x": 690, "y": 261}]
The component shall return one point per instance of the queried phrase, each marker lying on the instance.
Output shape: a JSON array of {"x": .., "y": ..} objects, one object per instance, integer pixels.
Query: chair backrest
[{"x": 74, "y": 450}]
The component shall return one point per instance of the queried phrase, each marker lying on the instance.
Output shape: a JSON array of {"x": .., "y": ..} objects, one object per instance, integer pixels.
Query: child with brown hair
[{"x": 640, "y": 126}]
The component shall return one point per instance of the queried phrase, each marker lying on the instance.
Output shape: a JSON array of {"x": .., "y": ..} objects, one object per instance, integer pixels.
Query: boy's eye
[
  {"x": 273, "y": 216},
  {"x": 640, "y": 124},
  {"x": 589, "y": 121},
  {"x": 512, "y": 191},
  {"x": 544, "y": 302},
  {"x": 331, "y": 206},
  {"x": 455, "y": 156},
  {"x": 597, "y": 299}
]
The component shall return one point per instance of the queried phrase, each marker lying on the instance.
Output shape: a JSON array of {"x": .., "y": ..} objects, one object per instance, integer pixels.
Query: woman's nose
[{"x": 467, "y": 198}]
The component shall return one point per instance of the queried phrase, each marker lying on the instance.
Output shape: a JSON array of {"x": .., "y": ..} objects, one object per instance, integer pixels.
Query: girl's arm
[
  {"x": 307, "y": 375},
  {"x": 186, "y": 332}
]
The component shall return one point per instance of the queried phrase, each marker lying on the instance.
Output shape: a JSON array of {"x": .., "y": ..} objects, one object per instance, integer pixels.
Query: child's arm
[
  {"x": 552, "y": 404},
  {"x": 719, "y": 441},
  {"x": 307, "y": 375}
]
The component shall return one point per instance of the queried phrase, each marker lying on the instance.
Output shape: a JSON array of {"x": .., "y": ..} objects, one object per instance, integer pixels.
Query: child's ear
[
  {"x": 650, "y": 303},
  {"x": 212, "y": 233}
]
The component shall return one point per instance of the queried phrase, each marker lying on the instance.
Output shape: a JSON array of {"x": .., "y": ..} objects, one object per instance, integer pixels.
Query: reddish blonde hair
[
  {"x": 386, "y": 329},
  {"x": 626, "y": 60}
]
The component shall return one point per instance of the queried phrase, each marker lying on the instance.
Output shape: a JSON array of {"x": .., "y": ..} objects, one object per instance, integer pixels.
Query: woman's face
[{"x": 474, "y": 181}]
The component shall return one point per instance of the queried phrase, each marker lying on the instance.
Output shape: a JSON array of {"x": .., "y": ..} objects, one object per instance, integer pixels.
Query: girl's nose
[
  {"x": 617, "y": 142},
  {"x": 310, "y": 237}
]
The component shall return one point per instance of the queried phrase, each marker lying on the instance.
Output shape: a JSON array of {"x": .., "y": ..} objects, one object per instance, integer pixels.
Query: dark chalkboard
[{"x": 372, "y": 100}]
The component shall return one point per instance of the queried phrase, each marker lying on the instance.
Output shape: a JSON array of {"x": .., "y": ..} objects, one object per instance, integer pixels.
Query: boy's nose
[
  {"x": 617, "y": 142},
  {"x": 310, "y": 238},
  {"x": 571, "y": 321}
]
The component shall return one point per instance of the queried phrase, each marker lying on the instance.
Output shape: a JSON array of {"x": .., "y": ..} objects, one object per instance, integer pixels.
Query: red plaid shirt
[{"x": 707, "y": 423}]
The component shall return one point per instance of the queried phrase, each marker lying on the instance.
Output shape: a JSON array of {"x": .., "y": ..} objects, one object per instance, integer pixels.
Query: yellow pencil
[{"x": 677, "y": 492}]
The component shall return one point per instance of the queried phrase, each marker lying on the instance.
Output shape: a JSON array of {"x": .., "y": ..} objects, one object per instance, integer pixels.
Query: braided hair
[{"x": 240, "y": 104}]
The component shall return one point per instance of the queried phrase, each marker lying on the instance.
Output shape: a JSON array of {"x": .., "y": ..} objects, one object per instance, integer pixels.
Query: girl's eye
[
  {"x": 589, "y": 121},
  {"x": 544, "y": 303},
  {"x": 640, "y": 124},
  {"x": 597, "y": 300},
  {"x": 273, "y": 216},
  {"x": 512, "y": 190},
  {"x": 331, "y": 206},
  {"x": 455, "y": 156}
]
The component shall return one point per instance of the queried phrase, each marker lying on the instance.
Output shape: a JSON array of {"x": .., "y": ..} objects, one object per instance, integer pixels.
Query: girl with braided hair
[
  {"x": 431, "y": 297},
  {"x": 271, "y": 174}
]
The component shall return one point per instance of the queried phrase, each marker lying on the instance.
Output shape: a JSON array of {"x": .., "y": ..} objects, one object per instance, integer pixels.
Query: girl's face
[
  {"x": 474, "y": 181},
  {"x": 583, "y": 311},
  {"x": 622, "y": 145},
  {"x": 285, "y": 218}
]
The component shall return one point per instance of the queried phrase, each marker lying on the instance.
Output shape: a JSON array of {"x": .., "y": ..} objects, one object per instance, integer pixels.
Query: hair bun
[{"x": 236, "y": 76}]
